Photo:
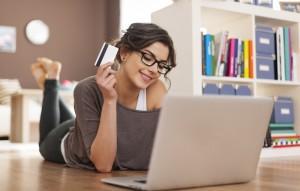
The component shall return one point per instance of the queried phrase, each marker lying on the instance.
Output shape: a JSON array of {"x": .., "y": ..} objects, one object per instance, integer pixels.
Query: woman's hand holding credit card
[{"x": 105, "y": 81}]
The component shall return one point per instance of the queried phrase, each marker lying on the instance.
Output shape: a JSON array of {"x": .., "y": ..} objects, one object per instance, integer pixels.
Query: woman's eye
[{"x": 148, "y": 57}]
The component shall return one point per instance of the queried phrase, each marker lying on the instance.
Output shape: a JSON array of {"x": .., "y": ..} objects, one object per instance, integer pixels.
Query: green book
[
  {"x": 277, "y": 126},
  {"x": 286, "y": 53},
  {"x": 282, "y": 132}
]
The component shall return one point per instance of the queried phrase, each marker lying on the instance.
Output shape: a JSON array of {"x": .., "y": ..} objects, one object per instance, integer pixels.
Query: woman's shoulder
[
  {"x": 155, "y": 94},
  {"x": 87, "y": 83},
  {"x": 87, "y": 87}
]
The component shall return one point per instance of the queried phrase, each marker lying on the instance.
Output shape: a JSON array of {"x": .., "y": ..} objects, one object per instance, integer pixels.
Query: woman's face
[{"x": 141, "y": 75}]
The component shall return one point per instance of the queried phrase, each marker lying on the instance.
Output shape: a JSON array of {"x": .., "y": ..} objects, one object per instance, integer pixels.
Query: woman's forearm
[{"x": 104, "y": 146}]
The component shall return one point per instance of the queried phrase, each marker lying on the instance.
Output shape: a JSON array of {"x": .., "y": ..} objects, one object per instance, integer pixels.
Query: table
[{"x": 20, "y": 123}]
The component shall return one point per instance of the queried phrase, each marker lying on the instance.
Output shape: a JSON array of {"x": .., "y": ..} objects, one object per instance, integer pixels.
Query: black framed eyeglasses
[{"x": 149, "y": 60}]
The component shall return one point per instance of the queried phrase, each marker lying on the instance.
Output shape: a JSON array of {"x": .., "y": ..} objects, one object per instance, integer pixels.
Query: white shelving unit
[{"x": 184, "y": 19}]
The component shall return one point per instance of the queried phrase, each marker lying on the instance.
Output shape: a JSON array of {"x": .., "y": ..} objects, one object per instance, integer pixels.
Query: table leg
[{"x": 20, "y": 124}]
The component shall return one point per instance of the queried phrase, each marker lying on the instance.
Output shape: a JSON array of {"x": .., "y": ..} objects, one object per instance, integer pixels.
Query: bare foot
[
  {"x": 45, "y": 68},
  {"x": 39, "y": 73},
  {"x": 45, "y": 61},
  {"x": 54, "y": 70}
]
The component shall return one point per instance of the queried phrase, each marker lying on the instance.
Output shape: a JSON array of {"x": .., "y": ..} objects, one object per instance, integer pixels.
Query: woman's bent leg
[
  {"x": 50, "y": 115},
  {"x": 65, "y": 113},
  {"x": 50, "y": 148}
]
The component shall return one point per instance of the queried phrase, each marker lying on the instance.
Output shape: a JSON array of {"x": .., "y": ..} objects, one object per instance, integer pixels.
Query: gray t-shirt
[{"x": 135, "y": 131}]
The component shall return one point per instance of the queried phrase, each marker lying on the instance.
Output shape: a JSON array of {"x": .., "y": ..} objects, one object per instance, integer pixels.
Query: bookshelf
[{"x": 184, "y": 19}]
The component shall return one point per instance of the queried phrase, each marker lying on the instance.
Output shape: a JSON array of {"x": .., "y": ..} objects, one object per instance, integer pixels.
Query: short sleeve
[{"x": 88, "y": 105}]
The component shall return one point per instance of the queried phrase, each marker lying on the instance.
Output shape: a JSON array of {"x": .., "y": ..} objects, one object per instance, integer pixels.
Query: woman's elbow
[{"x": 103, "y": 168}]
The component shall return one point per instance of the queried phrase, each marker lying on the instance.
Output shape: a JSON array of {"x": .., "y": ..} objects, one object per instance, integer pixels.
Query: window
[{"x": 139, "y": 10}]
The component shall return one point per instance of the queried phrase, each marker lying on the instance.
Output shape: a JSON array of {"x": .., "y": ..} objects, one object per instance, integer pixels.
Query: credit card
[{"x": 107, "y": 54}]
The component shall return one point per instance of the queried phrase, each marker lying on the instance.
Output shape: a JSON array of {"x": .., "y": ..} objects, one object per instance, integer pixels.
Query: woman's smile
[{"x": 146, "y": 78}]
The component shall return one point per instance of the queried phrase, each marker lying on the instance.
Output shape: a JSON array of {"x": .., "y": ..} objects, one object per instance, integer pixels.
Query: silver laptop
[{"x": 204, "y": 140}]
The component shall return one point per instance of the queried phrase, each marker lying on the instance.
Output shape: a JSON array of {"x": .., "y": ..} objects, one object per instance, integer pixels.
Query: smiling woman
[{"x": 116, "y": 111}]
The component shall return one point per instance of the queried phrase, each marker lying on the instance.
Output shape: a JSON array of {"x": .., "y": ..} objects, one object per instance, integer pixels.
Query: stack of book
[
  {"x": 282, "y": 124},
  {"x": 224, "y": 56},
  {"x": 283, "y": 135}
]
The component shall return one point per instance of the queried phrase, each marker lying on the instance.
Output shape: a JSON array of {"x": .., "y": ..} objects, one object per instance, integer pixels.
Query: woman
[{"x": 116, "y": 111}]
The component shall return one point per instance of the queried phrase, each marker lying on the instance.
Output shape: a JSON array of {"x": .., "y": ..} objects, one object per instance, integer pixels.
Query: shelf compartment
[{"x": 237, "y": 24}]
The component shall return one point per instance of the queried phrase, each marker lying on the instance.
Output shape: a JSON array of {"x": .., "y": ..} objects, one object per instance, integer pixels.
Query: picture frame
[{"x": 7, "y": 39}]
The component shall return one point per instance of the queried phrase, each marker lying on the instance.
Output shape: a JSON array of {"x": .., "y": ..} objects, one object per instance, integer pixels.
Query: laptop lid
[
  {"x": 208, "y": 140},
  {"x": 205, "y": 140}
]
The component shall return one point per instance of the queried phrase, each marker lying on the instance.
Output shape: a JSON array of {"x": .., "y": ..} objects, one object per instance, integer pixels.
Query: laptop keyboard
[{"x": 143, "y": 181}]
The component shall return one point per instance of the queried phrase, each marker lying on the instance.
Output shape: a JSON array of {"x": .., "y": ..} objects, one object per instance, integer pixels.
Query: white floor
[
  {"x": 280, "y": 152},
  {"x": 265, "y": 153},
  {"x": 8, "y": 146}
]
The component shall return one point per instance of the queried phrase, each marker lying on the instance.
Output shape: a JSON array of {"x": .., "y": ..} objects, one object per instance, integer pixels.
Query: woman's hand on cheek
[{"x": 106, "y": 81}]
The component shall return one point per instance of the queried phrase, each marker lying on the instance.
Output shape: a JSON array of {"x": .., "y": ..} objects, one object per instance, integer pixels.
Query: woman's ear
[{"x": 124, "y": 52}]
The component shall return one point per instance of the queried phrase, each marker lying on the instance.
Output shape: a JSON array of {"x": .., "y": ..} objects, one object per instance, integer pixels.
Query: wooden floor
[{"x": 22, "y": 168}]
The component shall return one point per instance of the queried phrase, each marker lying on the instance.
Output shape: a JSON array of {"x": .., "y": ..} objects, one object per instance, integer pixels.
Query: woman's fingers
[
  {"x": 106, "y": 81},
  {"x": 105, "y": 71},
  {"x": 105, "y": 66},
  {"x": 111, "y": 84}
]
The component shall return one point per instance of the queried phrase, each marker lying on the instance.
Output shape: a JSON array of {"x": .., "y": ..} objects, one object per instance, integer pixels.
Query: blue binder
[
  {"x": 283, "y": 111},
  {"x": 227, "y": 89},
  {"x": 265, "y": 67},
  {"x": 243, "y": 90},
  {"x": 265, "y": 41},
  {"x": 210, "y": 88}
]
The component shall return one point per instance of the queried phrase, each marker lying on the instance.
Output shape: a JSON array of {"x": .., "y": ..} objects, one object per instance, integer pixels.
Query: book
[
  {"x": 209, "y": 53},
  {"x": 203, "y": 53},
  {"x": 250, "y": 59},
  {"x": 220, "y": 44},
  {"x": 240, "y": 58},
  {"x": 231, "y": 58},
  {"x": 295, "y": 75},
  {"x": 223, "y": 67},
  {"x": 246, "y": 59},
  {"x": 281, "y": 126},
  {"x": 282, "y": 60},
  {"x": 278, "y": 54},
  {"x": 286, "y": 53},
  {"x": 235, "y": 59},
  {"x": 286, "y": 141},
  {"x": 280, "y": 133},
  {"x": 291, "y": 54}
]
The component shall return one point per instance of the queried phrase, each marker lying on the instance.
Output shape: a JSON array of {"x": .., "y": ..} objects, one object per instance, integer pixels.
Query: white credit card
[{"x": 107, "y": 54}]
